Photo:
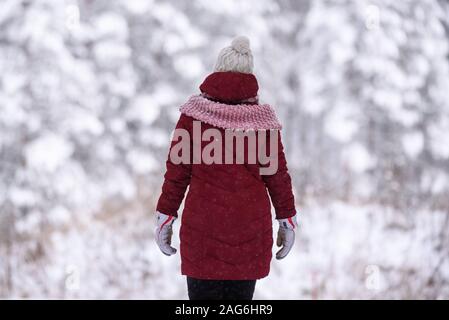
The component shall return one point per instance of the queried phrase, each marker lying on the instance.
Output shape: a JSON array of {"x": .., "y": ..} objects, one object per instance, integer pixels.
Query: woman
[{"x": 226, "y": 229}]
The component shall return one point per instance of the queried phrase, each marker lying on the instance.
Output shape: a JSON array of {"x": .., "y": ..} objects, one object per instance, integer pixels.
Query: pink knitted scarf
[{"x": 227, "y": 116}]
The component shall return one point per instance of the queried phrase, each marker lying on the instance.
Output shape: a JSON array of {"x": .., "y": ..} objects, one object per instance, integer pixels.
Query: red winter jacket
[{"x": 226, "y": 227}]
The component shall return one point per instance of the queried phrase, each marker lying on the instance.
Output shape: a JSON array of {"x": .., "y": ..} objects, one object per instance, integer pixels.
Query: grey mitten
[
  {"x": 164, "y": 233},
  {"x": 286, "y": 236}
]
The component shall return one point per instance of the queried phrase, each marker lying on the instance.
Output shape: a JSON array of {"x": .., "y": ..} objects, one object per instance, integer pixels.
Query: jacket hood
[{"x": 230, "y": 87}]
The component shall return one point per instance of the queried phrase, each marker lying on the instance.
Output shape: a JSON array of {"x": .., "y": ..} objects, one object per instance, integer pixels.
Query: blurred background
[{"x": 89, "y": 95}]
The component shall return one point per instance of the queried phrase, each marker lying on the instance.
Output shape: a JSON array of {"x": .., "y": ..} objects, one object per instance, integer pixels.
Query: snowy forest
[{"x": 90, "y": 94}]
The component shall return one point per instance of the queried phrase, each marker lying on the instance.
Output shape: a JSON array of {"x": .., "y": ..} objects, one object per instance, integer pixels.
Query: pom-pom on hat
[{"x": 237, "y": 57}]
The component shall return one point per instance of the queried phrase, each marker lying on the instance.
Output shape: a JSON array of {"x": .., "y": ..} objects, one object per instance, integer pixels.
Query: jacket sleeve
[
  {"x": 279, "y": 184},
  {"x": 177, "y": 177}
]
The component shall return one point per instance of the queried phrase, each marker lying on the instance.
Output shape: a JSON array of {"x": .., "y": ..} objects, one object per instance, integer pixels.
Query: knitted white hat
[{"x": 237, "y": 57}]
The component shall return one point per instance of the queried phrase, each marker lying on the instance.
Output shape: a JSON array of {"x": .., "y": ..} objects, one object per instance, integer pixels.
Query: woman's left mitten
[
  {"x": 286, "y": 236},
  {"x": 164, "y": 233}
]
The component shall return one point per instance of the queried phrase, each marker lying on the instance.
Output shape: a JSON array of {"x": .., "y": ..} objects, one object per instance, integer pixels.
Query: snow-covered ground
[{"x": 343, "y": 251}]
